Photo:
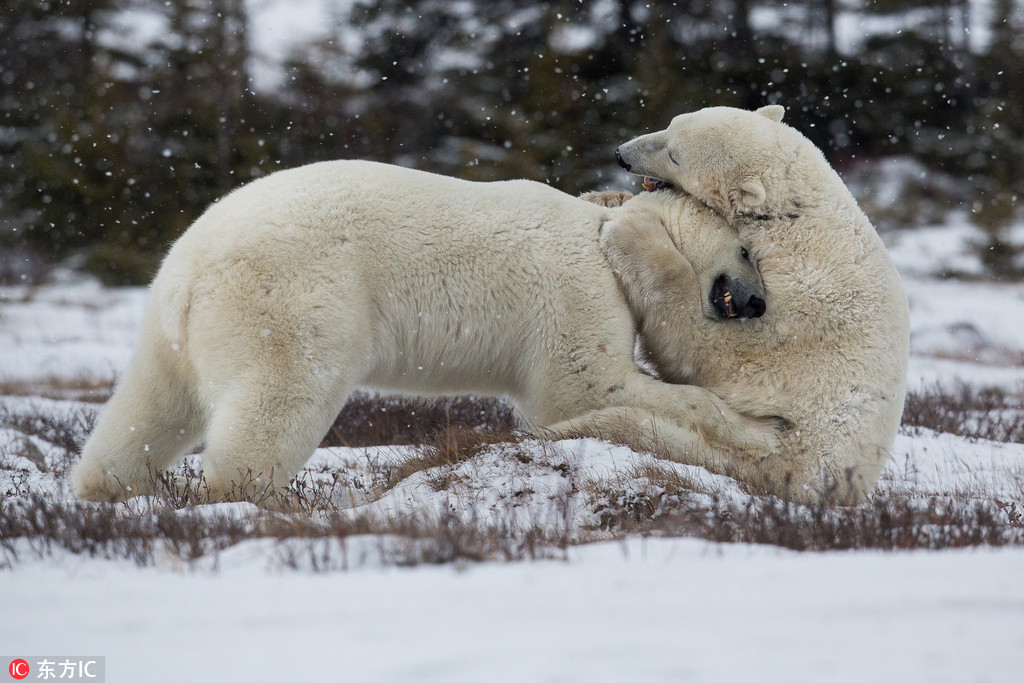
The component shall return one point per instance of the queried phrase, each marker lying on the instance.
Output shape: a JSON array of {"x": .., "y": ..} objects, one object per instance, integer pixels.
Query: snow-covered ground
[
  {"x": 641, "y": 610},
  {"x": 634, "y": 609}
]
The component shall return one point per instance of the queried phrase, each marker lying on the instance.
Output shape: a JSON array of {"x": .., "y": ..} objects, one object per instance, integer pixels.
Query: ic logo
[{"x": 18, "y": 669}]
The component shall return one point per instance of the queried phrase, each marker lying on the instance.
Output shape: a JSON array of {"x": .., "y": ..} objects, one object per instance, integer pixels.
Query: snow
[
  {"x": 276, "y": 29},
  {"x": 978, "y": 322},
  {"x": 652, "y": 610},
  {"x": 279, "y": 28},
  {"x": 854, "y": 27},
  {"x": 570, "y": 39},
  {"x": 961, "y": 330},
  {"x": 928, "y": 463},
  {"x": 926, "y": 373},
  {"x": 633, "y": 609},
  {"x": 77, "y": 330}
]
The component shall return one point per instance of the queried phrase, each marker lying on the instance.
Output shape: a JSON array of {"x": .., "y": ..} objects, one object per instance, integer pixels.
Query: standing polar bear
[
  {"x": 829, "y": 355},
  {"x": 293, "y": 290}
]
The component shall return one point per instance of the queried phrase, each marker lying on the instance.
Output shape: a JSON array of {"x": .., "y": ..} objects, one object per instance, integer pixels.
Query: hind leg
[
  {"x": 148, "y": 424},
  {"x": 264, "y": 431},
  {"x": 277, "y": 339},
  {"x": 273, "y": 392}
]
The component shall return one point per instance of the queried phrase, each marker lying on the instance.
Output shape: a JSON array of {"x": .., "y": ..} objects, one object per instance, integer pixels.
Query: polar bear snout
[
  {"x": 731, "y": 297},
  {"x": 622, "y": 162},
  {"x": 755, "y": 307},
  {"x": 649, "y": 156}
]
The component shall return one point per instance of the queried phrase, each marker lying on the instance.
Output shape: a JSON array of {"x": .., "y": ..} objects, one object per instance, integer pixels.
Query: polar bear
[
  {"x": 295, "y": 289},
  {"x": 830, "y": 353}
]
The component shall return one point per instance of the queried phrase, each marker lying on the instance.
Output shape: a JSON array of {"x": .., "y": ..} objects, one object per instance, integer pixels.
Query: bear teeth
[
  {"x": 730, "y": 311},
  {"x": 650, "y": 184}
]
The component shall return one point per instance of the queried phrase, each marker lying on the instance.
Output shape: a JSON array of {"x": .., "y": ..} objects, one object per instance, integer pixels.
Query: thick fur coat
[
  {"x": 829, "y": 356},
  {"x": 295, "y": 289}
]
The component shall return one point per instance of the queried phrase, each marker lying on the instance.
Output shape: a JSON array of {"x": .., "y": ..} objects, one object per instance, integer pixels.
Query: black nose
[
  {"x": 622, "y": 163},
  {"x": 755, "y": 307}
]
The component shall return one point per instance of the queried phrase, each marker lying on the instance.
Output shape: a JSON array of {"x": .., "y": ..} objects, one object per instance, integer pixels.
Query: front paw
[
  {"x": 742, "y": 433},
  {"x": 610, "y": 199}
]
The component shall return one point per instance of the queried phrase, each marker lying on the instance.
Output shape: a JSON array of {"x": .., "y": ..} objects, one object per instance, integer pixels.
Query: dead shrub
[
  {"x": 991, "y": 413},
  {"x": 312, "y": 525},
  {"x": 65, "y": 429},
  {"x": 372, "y": 420},
  {"x": 85, "y": 389},
  {"x": 448, "y": 448},
  {"x": 635, "y": 499}
]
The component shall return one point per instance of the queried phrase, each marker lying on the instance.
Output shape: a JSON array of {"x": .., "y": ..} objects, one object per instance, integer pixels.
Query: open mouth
[
  {"x": 721, "y": 298},
  {"x": 728, "y": 306},
  {"x": 651, "y": 184}
]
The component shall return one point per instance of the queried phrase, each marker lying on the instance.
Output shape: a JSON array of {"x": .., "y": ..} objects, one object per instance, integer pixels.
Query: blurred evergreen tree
[
  {"x": 110, "y": 149},
  {"x": 993, "y": 212},
  {"x": 117, "y": 152},
  {"x": 996, "y": 154},
  {"x": 49, "y": 54}
]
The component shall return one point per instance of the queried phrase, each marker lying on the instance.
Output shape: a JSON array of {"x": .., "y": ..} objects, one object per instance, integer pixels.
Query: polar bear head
[
  {"x": 733, "y": 160},
  {"x": 669, "y": 242}
]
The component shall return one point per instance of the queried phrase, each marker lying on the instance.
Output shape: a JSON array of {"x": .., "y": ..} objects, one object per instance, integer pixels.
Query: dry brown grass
[
  {"x": 995, "y": 414},
  {"x": 86, "y": 389},
  {"x": 448, "y": 448},
  {"x": 635, "y": 500},
  {"x": 372, "y": 420},
  {"x": 37, "y": 527},
  {"x": 313, "y": 527},
  {"x": 65, "y": 429},
  {"x": 891, "y": 522}
]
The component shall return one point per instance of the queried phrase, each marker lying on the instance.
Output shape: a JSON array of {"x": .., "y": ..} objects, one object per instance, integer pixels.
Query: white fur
[
  {"x": 830, "y": 354},
  {"x": 301, "y": 286}
]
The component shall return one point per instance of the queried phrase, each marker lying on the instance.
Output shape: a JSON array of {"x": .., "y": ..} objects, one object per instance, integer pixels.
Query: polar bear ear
[
  {"x": 772, "y": 112},
  {"x": 751, "y": 193}
]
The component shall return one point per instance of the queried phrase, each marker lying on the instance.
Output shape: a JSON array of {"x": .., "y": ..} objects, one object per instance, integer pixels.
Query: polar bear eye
[{"x": 744, "y": 253}]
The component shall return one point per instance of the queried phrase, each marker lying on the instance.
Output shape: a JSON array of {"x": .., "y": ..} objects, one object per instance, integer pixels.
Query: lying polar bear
[
  {"x": 829, "y": 356},
  {"x": 293, "y": 290}
]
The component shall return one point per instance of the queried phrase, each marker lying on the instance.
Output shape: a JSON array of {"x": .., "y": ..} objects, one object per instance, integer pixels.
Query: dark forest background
[{"x": 108, "y": 152}]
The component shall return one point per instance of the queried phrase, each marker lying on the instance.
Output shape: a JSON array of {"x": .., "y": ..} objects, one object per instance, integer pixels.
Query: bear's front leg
[
  {"x": 774, "y": 470},
  {"x": 697, "y": 410}
]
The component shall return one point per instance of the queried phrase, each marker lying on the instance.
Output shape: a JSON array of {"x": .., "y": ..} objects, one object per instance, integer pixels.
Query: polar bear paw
[{"x": 610, "y": 199}]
